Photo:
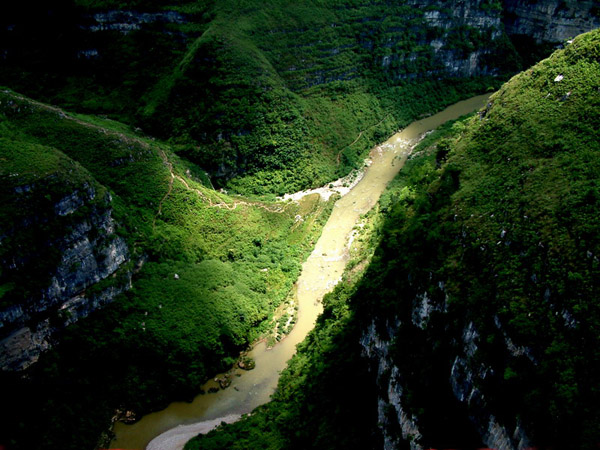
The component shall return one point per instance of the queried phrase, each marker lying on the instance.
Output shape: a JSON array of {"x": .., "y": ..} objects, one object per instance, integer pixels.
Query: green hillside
[
  {"x": 267, "y": 97},
  {"x": 178, "y": 123},
  {"x": 209, "y": 269},
  {"x": 510, "y": 227},
  {"x": 496, "y": 222}
]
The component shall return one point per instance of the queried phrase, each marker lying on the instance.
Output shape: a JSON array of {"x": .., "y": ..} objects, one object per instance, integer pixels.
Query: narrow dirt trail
[
  {"x": 64, "y": 115},
  {"x": 211, "y": 204},
  {"x": 339, "y": 155},
  {"x": 170, "y": 428}
]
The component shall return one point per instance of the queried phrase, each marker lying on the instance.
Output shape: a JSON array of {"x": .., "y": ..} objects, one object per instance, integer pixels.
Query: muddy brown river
[{"x": 172, "y": 427}]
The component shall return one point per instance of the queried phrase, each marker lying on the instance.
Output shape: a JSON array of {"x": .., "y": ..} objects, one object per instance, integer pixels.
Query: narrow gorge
[
  {"x": 320, "y": 273},
  {"x": 161, "y": 169}
]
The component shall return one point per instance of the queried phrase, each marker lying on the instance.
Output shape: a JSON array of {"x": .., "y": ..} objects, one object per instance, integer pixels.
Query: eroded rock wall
[
  {"x": 550, "y": 20},
  {"x": 89, "y": 272},
  {"x": 400, "y": 422}
]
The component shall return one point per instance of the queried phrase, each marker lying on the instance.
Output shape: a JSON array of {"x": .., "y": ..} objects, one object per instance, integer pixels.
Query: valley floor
[{"x": 320, "y": 273}]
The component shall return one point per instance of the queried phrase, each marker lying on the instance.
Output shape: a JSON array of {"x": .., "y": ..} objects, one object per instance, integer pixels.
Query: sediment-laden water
[{"x": 179, "y": 422}]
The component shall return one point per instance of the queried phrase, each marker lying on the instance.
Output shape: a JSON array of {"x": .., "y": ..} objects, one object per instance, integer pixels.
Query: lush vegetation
[
  {"x": 211, "y": 79},
  {"x": 24, "y": 167},
  {"x": 265, "y": 98},
  {"x": 215, "y": 268},
  {"x": 507, "y": 230},
  {"x": 495, "y": 219},
  {"x": 325, "y": 397}
]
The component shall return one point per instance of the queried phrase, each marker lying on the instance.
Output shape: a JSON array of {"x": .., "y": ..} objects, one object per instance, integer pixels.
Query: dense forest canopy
[
  {"x": 484, "y": 285},
  {"x": 142, "y": 147}
]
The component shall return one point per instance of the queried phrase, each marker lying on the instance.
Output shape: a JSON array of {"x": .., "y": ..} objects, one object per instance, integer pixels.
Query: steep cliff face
[
  {"x": 466, "y": 39},
  {"x": 68, "y": 239},
  {"x": 475, "y": 419},
  {"x": 550, "y": 21},
  {"x": 61, "y": 256},
  {"x": 484, "y": 294},
  {"x": 127, "y": 21},
  {"x": 466, "y": 375},
  {"x": 457, "y": 40},
  {"x": 392, "y": 415}
]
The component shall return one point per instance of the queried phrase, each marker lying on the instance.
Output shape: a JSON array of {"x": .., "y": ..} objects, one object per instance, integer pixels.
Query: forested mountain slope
[
  {"x": 122, "y": 219},
  {"x": 476, "y": 323},
  {"x": 274, "y": 94},
  {"x": 92, "y": 210}
]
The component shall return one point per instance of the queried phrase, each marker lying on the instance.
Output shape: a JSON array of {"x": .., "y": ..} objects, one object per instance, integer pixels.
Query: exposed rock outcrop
[
  {"x": 460, "y": 40},
  {"x": 468, "y": 21},
  {"x": 127, "y": 21},
  {"x": 466, "y": 376},
  {"x": 90, "y": 271},
  {"x": 389, "y": 405},
  {"x": 550, "y": 20}
]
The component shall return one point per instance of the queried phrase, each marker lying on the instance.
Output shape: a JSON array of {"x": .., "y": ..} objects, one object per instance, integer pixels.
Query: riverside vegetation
[
  {"x": 501, "y": 208},
  {"x": 267, "y": 99},
  {"x": 216, "y": 267},
  {"x": 266, "y": 103},
  {"x": 235, "y": 259}
]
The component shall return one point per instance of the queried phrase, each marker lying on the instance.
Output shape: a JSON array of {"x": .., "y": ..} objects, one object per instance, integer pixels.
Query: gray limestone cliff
[
  {"x": 127, "y": 21},
  {"x": 403, "y": 424},
  {"x": 458, "y": 40},
  {"x": 465, "y": 39},
  {"x": 390, "y": 409},
  {"x": 465, "y": 377},
  {"x": 550, "y": 20},
  {"x": 72, "y": 246}
]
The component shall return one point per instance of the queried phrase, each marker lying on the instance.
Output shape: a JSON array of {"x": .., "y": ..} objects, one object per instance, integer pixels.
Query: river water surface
[{"x": 180, "y": 421}]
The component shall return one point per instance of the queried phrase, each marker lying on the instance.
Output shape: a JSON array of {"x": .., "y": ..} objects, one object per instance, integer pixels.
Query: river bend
[{"x": 172, "y": 427}]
